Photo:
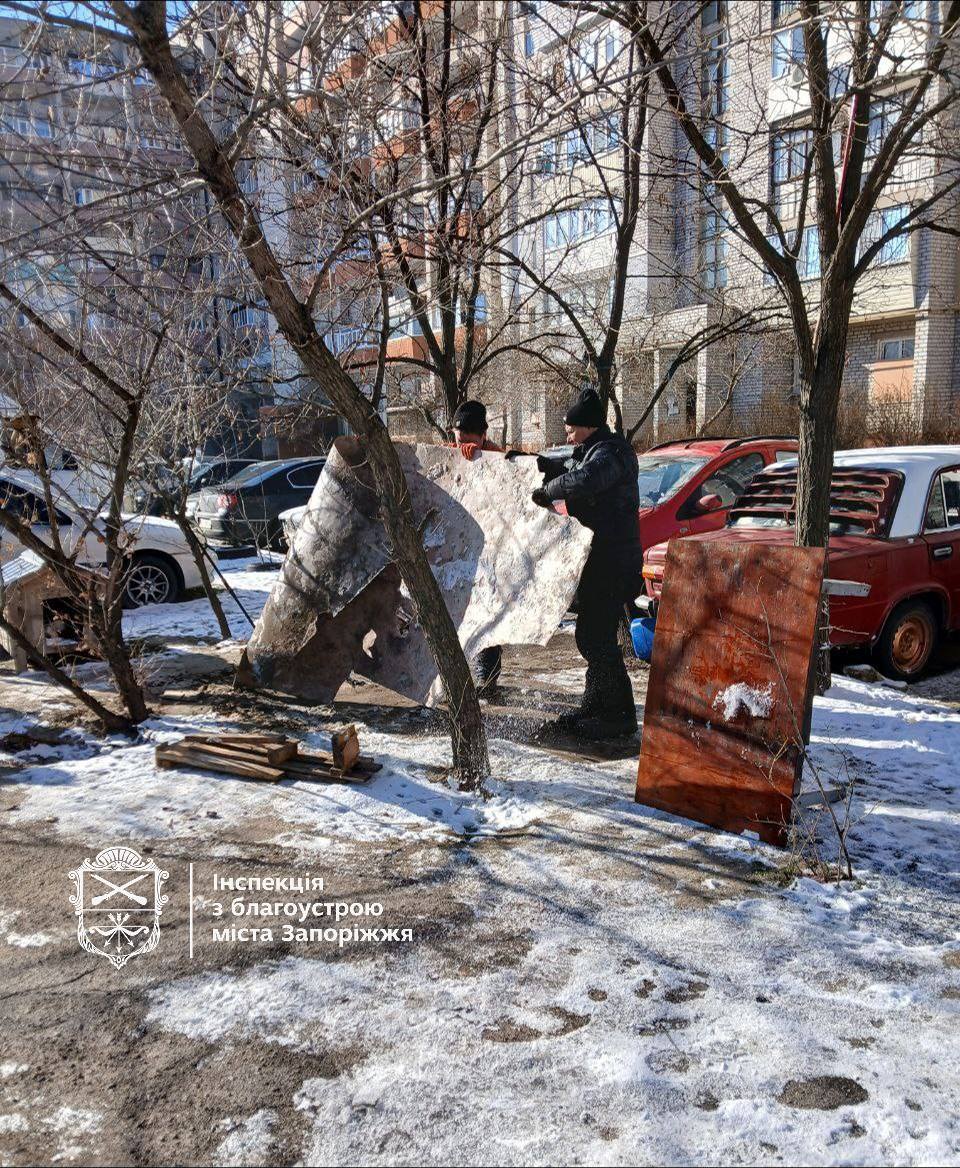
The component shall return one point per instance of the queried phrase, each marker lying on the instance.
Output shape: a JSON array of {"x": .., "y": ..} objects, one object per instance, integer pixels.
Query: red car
[
  {"x": 895, "y": 525},
  {"x": 689, "y": 486}
]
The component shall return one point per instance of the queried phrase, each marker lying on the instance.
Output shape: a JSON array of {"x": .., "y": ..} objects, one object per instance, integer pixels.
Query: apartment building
[
  {"x": 87, "y": 148},
  {"x": 743, "y": 64}
]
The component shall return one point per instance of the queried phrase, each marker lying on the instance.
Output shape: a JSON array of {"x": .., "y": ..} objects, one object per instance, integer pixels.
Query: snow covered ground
[
  {"x": 589, "y": 981},
  {"x": 250, "y": 579}
]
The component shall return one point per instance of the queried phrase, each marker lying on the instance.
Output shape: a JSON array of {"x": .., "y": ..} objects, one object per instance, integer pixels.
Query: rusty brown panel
[{"x": 731, "y": 614}]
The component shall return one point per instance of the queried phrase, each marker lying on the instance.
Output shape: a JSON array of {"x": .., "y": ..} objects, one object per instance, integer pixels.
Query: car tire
[
  {"x": 151, "y": 579},
  {"x": 908, "y": 640}
]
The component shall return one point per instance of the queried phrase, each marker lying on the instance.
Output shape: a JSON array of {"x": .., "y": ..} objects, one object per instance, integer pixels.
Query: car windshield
[{"x": 662, "y": 475}]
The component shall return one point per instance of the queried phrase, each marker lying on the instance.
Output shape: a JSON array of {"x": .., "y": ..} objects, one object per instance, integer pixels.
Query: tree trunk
[
  {"x": 819, "y": 401},
  {"x": 200, "y": 559}
]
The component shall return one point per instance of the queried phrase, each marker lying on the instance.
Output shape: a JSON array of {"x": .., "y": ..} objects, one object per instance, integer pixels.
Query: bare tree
[
  {"x": 874, "y": 95},
  {"x": 193, "y": 104}
]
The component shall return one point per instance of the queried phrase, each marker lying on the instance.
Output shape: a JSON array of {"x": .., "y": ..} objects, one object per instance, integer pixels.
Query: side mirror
[{"x": 707, "y": 503}]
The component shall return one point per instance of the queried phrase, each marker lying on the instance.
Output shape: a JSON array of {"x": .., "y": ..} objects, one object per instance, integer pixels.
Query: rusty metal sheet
[
  {"x": 731, "y": 684},
  {"x": 507, "y": 568}
]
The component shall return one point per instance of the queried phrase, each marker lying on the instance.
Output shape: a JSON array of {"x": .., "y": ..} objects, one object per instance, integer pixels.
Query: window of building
[
  {"x": 896, "y": 348},
  {"x": 788, "y": 166},
  {"x": 909, "y": 10},
  {"x": 593, "y": 53},
  {"x": 85, "y": 67},
  {"x": 885, "y": 112},
  {"x": 248, "y": 316},
  {"x": 896, "y": 250},
  {"x": 713, "y": 247},
  {"x": 715, "y": 75},
  {"x": 84, "y": 196},
  {"x": 27, "y": 122},
  {"x": 782, "y": 10},
  {"x": 788, "y": 50},
  {"x": 712, "y": 12}
]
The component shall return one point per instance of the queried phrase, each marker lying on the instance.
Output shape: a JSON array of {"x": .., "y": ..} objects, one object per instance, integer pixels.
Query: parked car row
[{"x": 894, "y": 525}]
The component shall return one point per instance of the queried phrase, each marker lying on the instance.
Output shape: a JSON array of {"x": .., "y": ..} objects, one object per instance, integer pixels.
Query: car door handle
[{"x": 943, "y": 552}]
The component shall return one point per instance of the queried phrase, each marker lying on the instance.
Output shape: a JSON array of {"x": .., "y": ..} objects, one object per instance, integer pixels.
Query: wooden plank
[
  {"x": 323, "y": 774},
  {"x": 271, "y": 752},
  {"x": 731, "y": 682},
  {"x": 365, "y": 764},
  {"x": 259, "y": 736},
  {"x": 201, "y": 757}
]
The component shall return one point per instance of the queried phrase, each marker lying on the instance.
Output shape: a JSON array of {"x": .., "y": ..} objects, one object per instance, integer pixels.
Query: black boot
[
  {"x": 609, "y": 707},
  {"x": 486, "y": 669},
  {"x": 591, "y": 706}
]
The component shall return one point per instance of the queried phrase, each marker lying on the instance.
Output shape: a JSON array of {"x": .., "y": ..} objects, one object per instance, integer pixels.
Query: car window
[
  {"x": 662, "y": 475},
  {"x": 257, "y": 468},
  {"x": 731, "y": 480},
  {"x": 25, "y": 505},
  {"x": 943, "y": 508},
  {"x": 936, "y": 516},
  {"x": 742, "y": 469},
  {"x": 306, "y": 476}
]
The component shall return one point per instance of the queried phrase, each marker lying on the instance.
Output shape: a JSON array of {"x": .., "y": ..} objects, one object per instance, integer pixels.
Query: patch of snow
[
  {"x": 29, "y": 940},
  {"x": 75, "y": 1120},
  {"x": 13, "y": 1122},
  {"x": 739, "y": 696},
  {"x": 9, "y": 1069},
  {"x": 251, "y": 580},
  {"x": 249, "y": 1140}
]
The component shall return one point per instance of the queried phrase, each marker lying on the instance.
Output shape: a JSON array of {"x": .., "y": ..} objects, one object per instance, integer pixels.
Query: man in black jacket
[{"x": 598, "y": 484}]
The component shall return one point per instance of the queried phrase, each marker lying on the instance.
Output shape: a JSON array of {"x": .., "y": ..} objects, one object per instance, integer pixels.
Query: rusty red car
[
  {"x": 688, "y": 486},
  {"x": 894, "y": 525}
]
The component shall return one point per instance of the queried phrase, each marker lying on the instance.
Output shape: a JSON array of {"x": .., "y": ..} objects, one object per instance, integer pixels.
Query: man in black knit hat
[
  {"x": 598, "y": 484},
  {"x": 470, "y": 435}
]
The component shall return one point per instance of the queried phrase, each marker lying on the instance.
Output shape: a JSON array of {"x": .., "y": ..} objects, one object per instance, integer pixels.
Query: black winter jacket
[{"x": 600, "y": 488}]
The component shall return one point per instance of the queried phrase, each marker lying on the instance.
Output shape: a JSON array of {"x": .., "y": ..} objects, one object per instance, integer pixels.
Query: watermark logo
[{"x": 118, "y": 902}]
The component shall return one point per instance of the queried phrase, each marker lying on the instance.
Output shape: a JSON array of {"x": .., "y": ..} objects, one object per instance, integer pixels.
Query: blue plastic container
[{"x": 641, "y": 633}]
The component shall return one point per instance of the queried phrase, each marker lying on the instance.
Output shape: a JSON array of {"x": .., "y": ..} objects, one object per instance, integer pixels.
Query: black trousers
[{"x": 610, "y": 577}]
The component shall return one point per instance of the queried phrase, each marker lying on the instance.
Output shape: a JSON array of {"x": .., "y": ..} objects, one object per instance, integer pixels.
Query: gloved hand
[
  {"x": 468, "y": 450},
  {"x": 545, "y": 464},
  {"x": 513, "y": 455},
  {"x": 541, "y": 498}
]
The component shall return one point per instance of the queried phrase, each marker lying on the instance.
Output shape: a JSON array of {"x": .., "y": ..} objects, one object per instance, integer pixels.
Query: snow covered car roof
[{"x": 917, "y": 464}]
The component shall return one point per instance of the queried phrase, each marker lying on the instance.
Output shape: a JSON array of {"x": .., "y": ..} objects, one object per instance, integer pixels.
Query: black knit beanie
[
  {"x": 471, "y": 417},
  {"x": 586, "y": 409}
]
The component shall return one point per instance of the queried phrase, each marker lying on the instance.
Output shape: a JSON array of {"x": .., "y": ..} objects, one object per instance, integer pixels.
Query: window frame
[{"x": 937, "y": 483}]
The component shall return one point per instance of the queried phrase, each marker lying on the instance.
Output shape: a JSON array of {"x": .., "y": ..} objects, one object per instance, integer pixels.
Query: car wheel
[
  {"x": 150, "y": 580},
  {"x": 907, "y": 641}
]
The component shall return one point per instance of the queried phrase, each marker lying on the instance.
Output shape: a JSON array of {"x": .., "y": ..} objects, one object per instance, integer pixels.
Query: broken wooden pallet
[{"x": 270, "y": 757}]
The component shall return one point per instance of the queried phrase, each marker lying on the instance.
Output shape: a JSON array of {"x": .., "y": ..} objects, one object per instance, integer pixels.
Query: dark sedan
[
  {"x": 163, "y": 495},
  {"x": 246, "y": 509}
]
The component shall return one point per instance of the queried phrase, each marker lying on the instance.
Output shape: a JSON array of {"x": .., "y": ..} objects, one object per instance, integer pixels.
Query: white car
[
  {"x": 161, "y": 564},
  {"x": 290, "y": 520}
]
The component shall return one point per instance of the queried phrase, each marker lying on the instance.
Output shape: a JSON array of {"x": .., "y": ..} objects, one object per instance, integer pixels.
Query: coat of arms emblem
[{"x": 118, "y": 902}]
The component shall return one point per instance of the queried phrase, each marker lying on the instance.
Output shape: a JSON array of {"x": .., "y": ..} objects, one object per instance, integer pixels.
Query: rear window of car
[
  {"x": 662, "y": 475},
  {"x": 305, "y": 476},
  {"x": 863, "y": 500},
  {"x": 256, "y": 469}
]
